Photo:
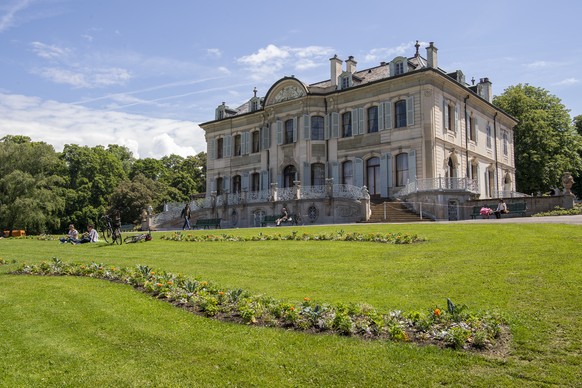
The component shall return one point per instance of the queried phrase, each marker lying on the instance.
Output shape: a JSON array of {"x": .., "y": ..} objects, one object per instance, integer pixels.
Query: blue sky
[{"x": 145, "y": 73}]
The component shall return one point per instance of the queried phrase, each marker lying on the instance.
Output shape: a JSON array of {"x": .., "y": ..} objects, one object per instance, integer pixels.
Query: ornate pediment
[{"x": 288, "y": 93}]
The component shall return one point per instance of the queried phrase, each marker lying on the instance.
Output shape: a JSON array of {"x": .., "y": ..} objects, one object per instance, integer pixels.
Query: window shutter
[
  {"x": 358, "y": 172},
  {"x": 326, "y": 129},
  {"x": 306, "y": 174},
  {"x": 213, "y": 185},
  {"x": 295, "y": 129},
  {"x": 384, "y": 175},
  {"x": 389, "y": 172},
  {"x": 456, "y": 118},
  {"x": 211, "y": 150},
  {"x": 476, "y": 130},
  {"x": 380, "y": 116},
  {"x": 265, "y": 141},
  {"x": 387, "y": 115},
  {"x": 245, "y": 182},
  {"x": 245, "y": 143},
  {"x": 226, "y": 183},
  {"x": 405, "y": 66},
  {"x": 335, "y": 172},
  {"x": 279, "y": 132},
  {"x": 225, "y": 147},
  {"x": 361, "y": 119},
  {"x": 280, "y": 180},
  {"x": 410, "y": 110},
  {"x": 392, "y": 71},
  {"x": 412, "y": 165},
  {"x": 445, "y": 115},
  {"x": 264, "y": 180},
  {"x": 335, "y": 124},
  {"x": 306, "y": 127},
  {"x": 355, "y": 122}
]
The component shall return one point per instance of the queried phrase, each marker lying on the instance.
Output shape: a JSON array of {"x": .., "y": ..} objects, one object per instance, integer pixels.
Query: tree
[
  {"x": 545, "y": 143},
  {"x": 32, "y": 186},
  {"x": 132, "y": 197}
]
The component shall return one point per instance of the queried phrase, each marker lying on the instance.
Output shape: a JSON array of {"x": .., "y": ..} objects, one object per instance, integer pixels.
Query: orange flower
[
  {"x": 437, "y": 312},
  {"x": 220, "y": 292},
  {"x": 306, "y": 299},
  {"x": 159, "y": 284},
  {"x": 292, "y": 308},
  {"x": 170, "y": 283}
]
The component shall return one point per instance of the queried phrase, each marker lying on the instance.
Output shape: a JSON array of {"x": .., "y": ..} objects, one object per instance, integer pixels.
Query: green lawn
[{"x": 70, "y": 331}]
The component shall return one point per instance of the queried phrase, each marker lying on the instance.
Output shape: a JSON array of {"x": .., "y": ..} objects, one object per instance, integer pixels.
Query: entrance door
[{"x": 373, "y": 176}]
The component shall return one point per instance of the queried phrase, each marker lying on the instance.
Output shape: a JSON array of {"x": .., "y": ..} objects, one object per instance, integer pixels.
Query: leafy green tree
[
  {"x": 132, "y": 197},
  {"x": 32, "y": 186},
  {"x": 546, "y": 145}
]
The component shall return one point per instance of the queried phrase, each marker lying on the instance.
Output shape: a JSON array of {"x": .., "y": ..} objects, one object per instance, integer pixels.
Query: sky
[{"x": 144, "y": 73}]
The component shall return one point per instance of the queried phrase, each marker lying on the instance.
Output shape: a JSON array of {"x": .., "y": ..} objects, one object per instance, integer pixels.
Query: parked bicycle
[
  {"x": 138, "y": 237},
  {"x": 110, "y": 231}
]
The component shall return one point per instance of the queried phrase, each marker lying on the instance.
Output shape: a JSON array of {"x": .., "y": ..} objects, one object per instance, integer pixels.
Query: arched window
[
  {"x": 317, "y": 174},
  {"x": 348, "y": 173},
  {"x": 400, "y": 108},
  {"x": 373, "y": 175},
  {"x": 317, "y": 128},
  {"x": 289, "y": 175},
  {"x": 402, "y": 169}
]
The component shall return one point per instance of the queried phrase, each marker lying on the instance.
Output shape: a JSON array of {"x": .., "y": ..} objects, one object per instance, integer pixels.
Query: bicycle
[
  {"x": 109, "y": 232},
  {"x": 139, "y": 237}
]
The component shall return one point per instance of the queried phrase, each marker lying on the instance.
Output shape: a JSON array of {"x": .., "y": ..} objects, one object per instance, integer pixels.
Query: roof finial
[
  {"x": 417, "y": 45},
  {"x": 255, "y": 91}
]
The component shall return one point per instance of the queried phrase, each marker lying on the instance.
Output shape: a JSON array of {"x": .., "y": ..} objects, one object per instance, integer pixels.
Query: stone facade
[{"x": 394, "y": 128}]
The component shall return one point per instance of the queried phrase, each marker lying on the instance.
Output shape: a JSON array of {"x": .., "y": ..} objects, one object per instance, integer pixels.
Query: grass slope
[{"x": 78, "y": 331}]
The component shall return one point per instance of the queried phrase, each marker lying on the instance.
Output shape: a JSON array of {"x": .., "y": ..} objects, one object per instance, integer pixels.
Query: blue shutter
[
  {"x": 306, "y": 127},
  {"x": 389, "y": 172},
  {"x": 457, "y": 118},
  {"x": 264, "y": 180},
  {"x": 211, "y": 149},
  {"x": 412, "y": 166},
  {"x": 361, "y": 118},
  {"x": 226, "y": 183},
  {"x": 384, "y": 175},
  {"x": 410, "y": 111},
  {"x": 380, "y": 116},
  {"x": 335, "y": 124},
  {"x": 445, "y": 115},
  {"x": 335, "y": 172},
  {"x": 387, "y": 115},
  {"x": 306, "y": 174},
  {"x": 295, "y": 129},
  {"x": 358, "y": 172},
  {"x": 326, "y": 129},
  {"x": 355, "y": 122},
  {"x": 476, "y": 130},
  {"x": 245, "y": 182},
  {"x": 247, "y": 143},
  {"x": 279, "y": 132},
  {"x": 280, "y": 180}
]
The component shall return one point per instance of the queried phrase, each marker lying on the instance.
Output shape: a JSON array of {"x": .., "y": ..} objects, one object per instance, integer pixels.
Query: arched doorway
[{"x": 289, "y": 175}]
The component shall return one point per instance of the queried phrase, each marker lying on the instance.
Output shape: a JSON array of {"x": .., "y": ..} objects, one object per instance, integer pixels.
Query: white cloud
[
  {"x": 213, "y": 53},
  {"x": 50, "y": 52},
  {"x": 85, "y": 77},
  {"x": 58, "y": 124},
  {"x": 8, "y": 19},
  {"x": 269, "y": 60},
  {"x": 568, "y": 82},
  {"x": 538, "y": 65},
  {"x": 387, "y": 54}
]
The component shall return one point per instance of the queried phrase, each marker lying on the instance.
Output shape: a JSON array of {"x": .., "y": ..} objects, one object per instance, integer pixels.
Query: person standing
[{"x": 186, "y": 216}]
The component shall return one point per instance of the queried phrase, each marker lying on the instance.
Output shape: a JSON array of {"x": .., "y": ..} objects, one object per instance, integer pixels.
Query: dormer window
[
  {"x": 345, "y": 81},
  {"x": 255, "y": 104},
  {"x": 398, "y": 68}
]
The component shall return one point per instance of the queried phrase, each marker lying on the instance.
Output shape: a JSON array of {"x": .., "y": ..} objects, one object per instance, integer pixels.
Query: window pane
[
  {"x": 317, "y": 174},
  {"x": 256, "y": 141},
  {"x": 288, "y": 131},
  {"x": 401, "y": 169},
  {"x": 373, "y": 119},
  {"x": 347, "y": 124},
  {"x": 317, "y": 128},
  {"x": 401, "y": 114},
  {"x": 348, "y": 173}
]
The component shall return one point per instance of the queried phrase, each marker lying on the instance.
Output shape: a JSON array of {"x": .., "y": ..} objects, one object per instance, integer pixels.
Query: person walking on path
[{"x": 186, "y": 216}]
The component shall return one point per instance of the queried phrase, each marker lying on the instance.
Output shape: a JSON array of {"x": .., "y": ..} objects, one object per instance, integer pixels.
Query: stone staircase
[{"x": 395, "y": 212}]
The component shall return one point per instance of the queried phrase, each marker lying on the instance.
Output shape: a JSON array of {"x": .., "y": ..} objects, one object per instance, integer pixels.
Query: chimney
[
  {"x": 486, "y": 91},
  {"x": 431, "y": 56},
  {"x": 351, "y": 65},
  {"x": 336, "y": 69}
]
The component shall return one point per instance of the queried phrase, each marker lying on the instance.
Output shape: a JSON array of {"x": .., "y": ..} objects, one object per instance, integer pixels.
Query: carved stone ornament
[{"x": 288, "y": 93}]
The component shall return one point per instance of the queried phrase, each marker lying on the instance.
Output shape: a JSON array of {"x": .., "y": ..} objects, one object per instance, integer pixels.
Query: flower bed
[
  {"x": 453, "y": 327},
  {"x": 386, "y": 238}
]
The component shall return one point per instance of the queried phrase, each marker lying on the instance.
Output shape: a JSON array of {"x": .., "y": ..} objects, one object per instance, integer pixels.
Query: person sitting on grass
[
  {"x": 72, "y": 236},
  {"x": 284, "y": 216},
  {"x": 90, "y": 236}
]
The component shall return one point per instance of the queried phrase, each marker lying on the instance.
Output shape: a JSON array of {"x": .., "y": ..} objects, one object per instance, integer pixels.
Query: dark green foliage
[{"x": 546, "y": 145}]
